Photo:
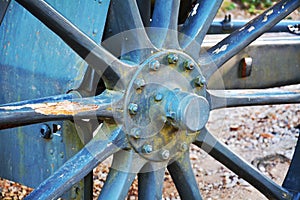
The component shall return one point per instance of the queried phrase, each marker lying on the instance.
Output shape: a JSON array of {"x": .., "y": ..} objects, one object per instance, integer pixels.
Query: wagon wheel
[{"x": 157, "y": 96}]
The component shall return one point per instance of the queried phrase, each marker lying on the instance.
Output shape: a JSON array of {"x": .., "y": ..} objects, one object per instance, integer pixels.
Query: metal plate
[{"x": 35, "y": 63}]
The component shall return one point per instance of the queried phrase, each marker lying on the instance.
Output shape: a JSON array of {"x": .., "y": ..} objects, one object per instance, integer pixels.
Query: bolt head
[
  {"x": 133, "y": 108},
  {"x": 184, "y": 147},
  {"x": 45, "y": 132},
  {"x": 136, "y": 133},
  {"x": 154, "y": 65},
  {"x": 165, "y": 154},
  {"x": 172, "y": 58},
  {"x": 139, "y": 83},
  {"x": 189, "y": 65},
  {"x": 200, "y": 81},
  {"x": 158, "y": 97},
  {"x": 147, "y": 149}
]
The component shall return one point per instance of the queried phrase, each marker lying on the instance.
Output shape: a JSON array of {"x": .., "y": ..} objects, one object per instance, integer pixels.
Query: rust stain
[{"x": 60, "y": 108}]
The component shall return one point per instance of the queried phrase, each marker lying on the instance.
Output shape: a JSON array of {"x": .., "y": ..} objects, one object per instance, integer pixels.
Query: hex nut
[
  {"x": 154, "y": 65},
  {"x": 172, "y": 58},
  {"x": 165, "y": 154},
  {"x": 188, "y": 65},
  {"x": 139, "y": 83},
  {"x": 147, "y": 149},
  {"x": 133, "y": 108},
  {"x": 200, "y": 81}
]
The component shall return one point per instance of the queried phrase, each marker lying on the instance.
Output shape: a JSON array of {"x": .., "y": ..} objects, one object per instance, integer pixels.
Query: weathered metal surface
[
  {"x": 217, "y": 55},
  {"x": 275, "y": 63},
  {"x": 105, "y": 143},
  {"x": 52, "y": 109},
  {"x": 228, "y": 26},
  {"x": 36, "y": 63}
]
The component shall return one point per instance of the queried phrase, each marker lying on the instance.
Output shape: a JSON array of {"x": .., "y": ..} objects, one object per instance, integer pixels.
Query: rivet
[
  {"x": 139, "y": 83},
  {"x": 165, "y": 154},
  {"x": 133, "y": 108},
  {"x": 200, "y": 81},
  {"x": 147, "y": 149},
  {"x": 172, "y": 58},
  {"x": 154, "y": 65},
  {"x": 188, "y": 65},
  {"x": 158, "y": 97}
]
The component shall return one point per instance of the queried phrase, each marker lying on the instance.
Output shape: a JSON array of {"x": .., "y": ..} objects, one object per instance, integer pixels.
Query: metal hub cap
[{"x": 168, "y": 110}]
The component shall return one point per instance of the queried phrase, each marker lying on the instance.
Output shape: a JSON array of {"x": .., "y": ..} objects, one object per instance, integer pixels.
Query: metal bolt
[
  {"x": 136, "y": 133},
  {"x": 184, "y": 147},
  {"x": 189, "y": 65},
  {"x": 154, "y": 65},
  {"x": 147, "y": 149},
  {"x": 46, "y": 131},
  {"x": 139, "y": 83},
  {"x": 158, "y": 97},
  {"x": 200, "y": 81},
  {"x": 171, "y": 115},
  {"x": 165, "y": 154},
  {"x": 133, "y": 108},
  {"x": 172, "y": 58}
]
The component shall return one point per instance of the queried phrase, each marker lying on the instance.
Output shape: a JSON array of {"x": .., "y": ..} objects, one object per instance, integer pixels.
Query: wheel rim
[{"x": 137, "y": 144}]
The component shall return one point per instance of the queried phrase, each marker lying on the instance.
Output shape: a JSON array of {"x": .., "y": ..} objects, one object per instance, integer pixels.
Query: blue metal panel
[{"x": 35, "y": 63}]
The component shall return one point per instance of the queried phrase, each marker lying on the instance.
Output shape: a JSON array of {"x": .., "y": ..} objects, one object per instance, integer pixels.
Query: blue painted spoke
[
  {"x": 197, "y": 24},
  {"x": 184, "y": 178},
  {"x": 62, "y": 107},
  {"x": 234, "y": 98},
  {"x": 220, "y": 152},
  {"x": 136, "y": 45},
  {"x": 150, "y": 181},
  {"x": 291, "y": 181},
  {"x": 75, "y": 169},
  {"x": 86, "y": 48},
  {"x": 239, "y": 39},
  {"x": 125, "y": 166},
  {"x": 163, "y": 32}
]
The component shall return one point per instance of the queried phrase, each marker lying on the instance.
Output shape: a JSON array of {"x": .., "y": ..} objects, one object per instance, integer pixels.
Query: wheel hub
[{"x": 165, "y": 105}]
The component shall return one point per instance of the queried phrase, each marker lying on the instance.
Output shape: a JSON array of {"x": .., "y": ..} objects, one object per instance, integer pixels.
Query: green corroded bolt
[
  {"x": 133, "y": 108},
  {"x": 184, "y": 147},
  {"x": 200, "y": 81},
  {"x": 172, "y": 58},
  {"x": 165, "y": 154},
  {"x": 139, "y": 83},
  {"x": 154, "y": 65},
  {"x": 158, "y": 97},
  {"x": 147, "y": 149},
  {"x": 188, "y": 65}
]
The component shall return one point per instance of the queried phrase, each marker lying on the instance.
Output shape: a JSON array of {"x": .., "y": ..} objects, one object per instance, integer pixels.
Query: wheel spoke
[
  {"x": 291, "y": 181},
  {"x": 151, "y": 182},
  {"x": 234, "y": 98},
  {"x": 58, "y": 108},
  {"x": 184, "y": 178},
  {"x": 3, "y": 8},
  {"x": 163, "y": 32},
  {"x": 86, "y": 48},
  {"x": 98, "y": 149},
  {"x": 197, "y": 24},
  {"x": 136, "y": 45},
  {"x": 220, "y": 152},
  {"x": 239, "y": 39},
  {"x": 126, "y": 165}
]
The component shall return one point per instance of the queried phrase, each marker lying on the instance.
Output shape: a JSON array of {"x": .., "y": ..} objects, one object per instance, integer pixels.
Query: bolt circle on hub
[{"x": 164, "y": 116}]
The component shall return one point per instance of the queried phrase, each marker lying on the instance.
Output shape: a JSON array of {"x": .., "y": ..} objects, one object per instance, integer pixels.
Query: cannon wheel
[{"x": 156, "y": 102}]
